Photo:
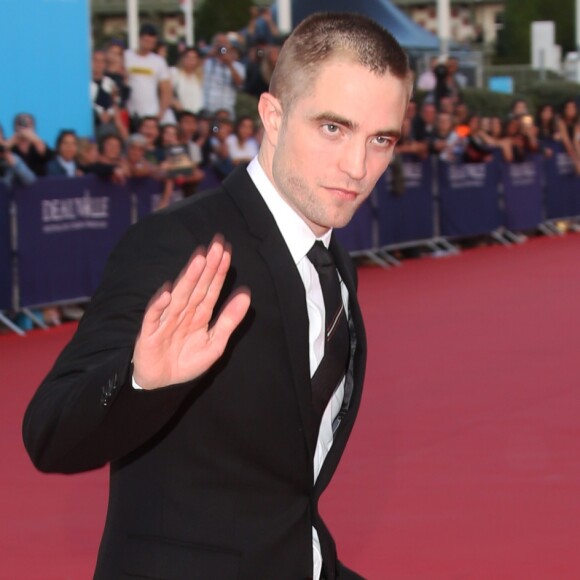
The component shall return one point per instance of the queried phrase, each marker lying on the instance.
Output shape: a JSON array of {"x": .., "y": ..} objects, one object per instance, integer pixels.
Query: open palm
[{"x": 176, "y": 342}]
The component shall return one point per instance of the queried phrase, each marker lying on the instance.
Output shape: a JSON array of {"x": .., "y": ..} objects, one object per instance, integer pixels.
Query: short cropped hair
[{"x": 325, "y": 36}]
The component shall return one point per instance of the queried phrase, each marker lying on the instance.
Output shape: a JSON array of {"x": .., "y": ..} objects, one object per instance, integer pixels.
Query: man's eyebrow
[{"x": 329, "y": 117}]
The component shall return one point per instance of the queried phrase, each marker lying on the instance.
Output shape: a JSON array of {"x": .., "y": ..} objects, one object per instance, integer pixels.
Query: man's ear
[{"x": 270, "y": 110}]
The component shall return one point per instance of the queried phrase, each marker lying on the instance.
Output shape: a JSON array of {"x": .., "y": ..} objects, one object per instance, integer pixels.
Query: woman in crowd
[
  {"x": 519, "y": 139},
  {"x": 65, "y": 162},
  {"x": 568, "y": 128},
  {"x": 181, "y": 172},
  {"x": 242, "y": 146},
  {"x": 187, "y": 80}
]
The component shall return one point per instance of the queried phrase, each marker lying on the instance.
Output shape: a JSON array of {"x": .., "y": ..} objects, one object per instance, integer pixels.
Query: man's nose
[{"x": 354, "y": 159}]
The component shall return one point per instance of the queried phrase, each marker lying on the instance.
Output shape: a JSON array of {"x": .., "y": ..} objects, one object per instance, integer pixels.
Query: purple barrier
[
  {"x": 148, "y": 193},
  {"x": 357, "y": 235},
  {"x": 210, "y": 180},
  {"x": 523, "y": 187},
  {"x": 5, "y": 251},
  {"x": 468, "y": 198},
  {"x": 406, "y": 216},
  {"x": 562, "y": 185},
  {"x": 66, "y": 229}
]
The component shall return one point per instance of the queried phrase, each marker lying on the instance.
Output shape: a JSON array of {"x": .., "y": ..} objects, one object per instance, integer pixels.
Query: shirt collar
[{"x": 298, "y": 236}]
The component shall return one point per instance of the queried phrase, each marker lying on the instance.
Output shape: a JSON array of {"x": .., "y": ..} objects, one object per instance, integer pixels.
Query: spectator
[
  {"x": 188, "y": 128},
  {"x": 223, "y": 76},
  {"x": 241, "y": 144},
  {"x": 88, "y": 153},
  {"x": 28, "y": 145},
  {"x": 427, "y": 79},
  {"x": 219, "y": 151},
  {"x": 115, "y": 69},
  {"x": 261, "y": 29},
  {"x": 456, "y": 81},
  {"x": 423, "y": 125},
  {"x": 407, "y": 143},
  {"x": 148, "y": 77},
  {"x": 462, "y": 114},
  {"x": 13, "y": 170},
  {"x": 187, "y": 81},
  {"x": 182, "y": 172},
  {"x": 261, "y": 63},
  {"x": 150, "y": 129},
  {"x": 519, "y": 139},
  {"x": 135, "y": 164},
  {"x": 568, "y": 128},
  {"x": 518, "y": 108},
  {"x": 109, "y": 163},
  {"x": 445, "y": 141},
  {"x": 64, "y": 163},
  {"x": 478, "y": 146},
  {"x": 546, "y": 124},
  {"x": 107, "y": 116}
]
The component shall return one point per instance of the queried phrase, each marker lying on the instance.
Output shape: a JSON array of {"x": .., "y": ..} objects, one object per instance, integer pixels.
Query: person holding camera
[
  {"x": 28, "y": 145},
  {"x": 223, "y": 76},
  {"x": 12, "y": 168}
]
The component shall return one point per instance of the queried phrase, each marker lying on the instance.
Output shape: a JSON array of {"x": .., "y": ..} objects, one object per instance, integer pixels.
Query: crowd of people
[{"x": 149, "y": 116}]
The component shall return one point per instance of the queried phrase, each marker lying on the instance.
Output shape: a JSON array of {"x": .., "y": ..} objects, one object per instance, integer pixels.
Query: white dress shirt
[{"x": 299, "y": 238}]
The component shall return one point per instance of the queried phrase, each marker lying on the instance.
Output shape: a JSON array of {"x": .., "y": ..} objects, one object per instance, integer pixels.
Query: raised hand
[{"x": 176, "y": 343}]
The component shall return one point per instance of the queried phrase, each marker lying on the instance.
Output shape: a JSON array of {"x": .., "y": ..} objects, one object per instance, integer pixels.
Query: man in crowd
[
  {"x": 148, "y": 79},
  {"x": 28, "y": 146},
  {"x": 223, "y": 76},
  {"x": 224, "y": 400}
]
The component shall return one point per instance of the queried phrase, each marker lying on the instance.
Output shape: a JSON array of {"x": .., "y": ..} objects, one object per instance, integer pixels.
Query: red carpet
[{"x": 464, "y": 463}]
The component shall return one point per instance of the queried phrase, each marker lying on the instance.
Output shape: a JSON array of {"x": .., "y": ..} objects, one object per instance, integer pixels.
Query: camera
[{"x": 223, "y": 50}]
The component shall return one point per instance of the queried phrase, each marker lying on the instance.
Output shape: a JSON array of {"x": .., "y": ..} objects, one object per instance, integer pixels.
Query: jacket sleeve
[{"x": 86, "y": 412}]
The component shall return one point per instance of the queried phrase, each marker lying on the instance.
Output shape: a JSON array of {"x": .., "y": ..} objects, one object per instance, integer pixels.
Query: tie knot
[{"x": 320, "y": 256}]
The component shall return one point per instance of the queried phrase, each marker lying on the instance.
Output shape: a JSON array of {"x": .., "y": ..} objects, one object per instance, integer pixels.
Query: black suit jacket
[{"x": 211, "y": 479}]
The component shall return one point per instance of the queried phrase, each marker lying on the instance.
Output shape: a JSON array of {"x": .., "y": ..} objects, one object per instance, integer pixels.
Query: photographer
[
  {"x": 28, "y": 145},
  {"x": 223, "y": 76},
  {"x": 12, "y": 168}
]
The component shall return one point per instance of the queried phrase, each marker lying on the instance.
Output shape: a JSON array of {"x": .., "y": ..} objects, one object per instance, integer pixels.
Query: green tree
[
  {"x": 514, "y": 39},
  {"x": 221, "y": 16}
]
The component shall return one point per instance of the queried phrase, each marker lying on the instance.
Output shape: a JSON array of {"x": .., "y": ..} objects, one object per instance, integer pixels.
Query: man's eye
[
  {"x": 331, "y": 128},
  {"x": 383, "y": 141}
]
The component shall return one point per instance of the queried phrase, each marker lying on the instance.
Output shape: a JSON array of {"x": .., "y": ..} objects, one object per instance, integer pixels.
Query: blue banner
[
  {"x": 406, "y": 215},
  {"x": 562, "y": 185},
  {"x": 5, "y": 251},
  {"x": 468, "y": 198},
  {"x": 523, "y": 186},
  {"x": 66, "y": 229},
  {"x": 357, "y": 235}
]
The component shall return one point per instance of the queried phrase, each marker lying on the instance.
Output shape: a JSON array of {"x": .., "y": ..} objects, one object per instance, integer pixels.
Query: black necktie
[{"x": 333, "y": 365}]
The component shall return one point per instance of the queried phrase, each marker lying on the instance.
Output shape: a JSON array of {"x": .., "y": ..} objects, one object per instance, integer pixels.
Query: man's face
[
  {"x": 336, "y": 141},
  {"x": 188, "y": 126},
  {"x": 99, "y": 64},
  {"x": 429, "y": 113},
  {"x": 147, "y": 43}
]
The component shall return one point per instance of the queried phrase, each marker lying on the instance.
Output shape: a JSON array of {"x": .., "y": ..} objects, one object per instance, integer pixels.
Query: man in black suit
[{"x": 220, "y": 429}]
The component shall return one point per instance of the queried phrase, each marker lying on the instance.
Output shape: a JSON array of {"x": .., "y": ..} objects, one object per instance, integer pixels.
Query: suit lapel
[{"x": 289, "y": 289}]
